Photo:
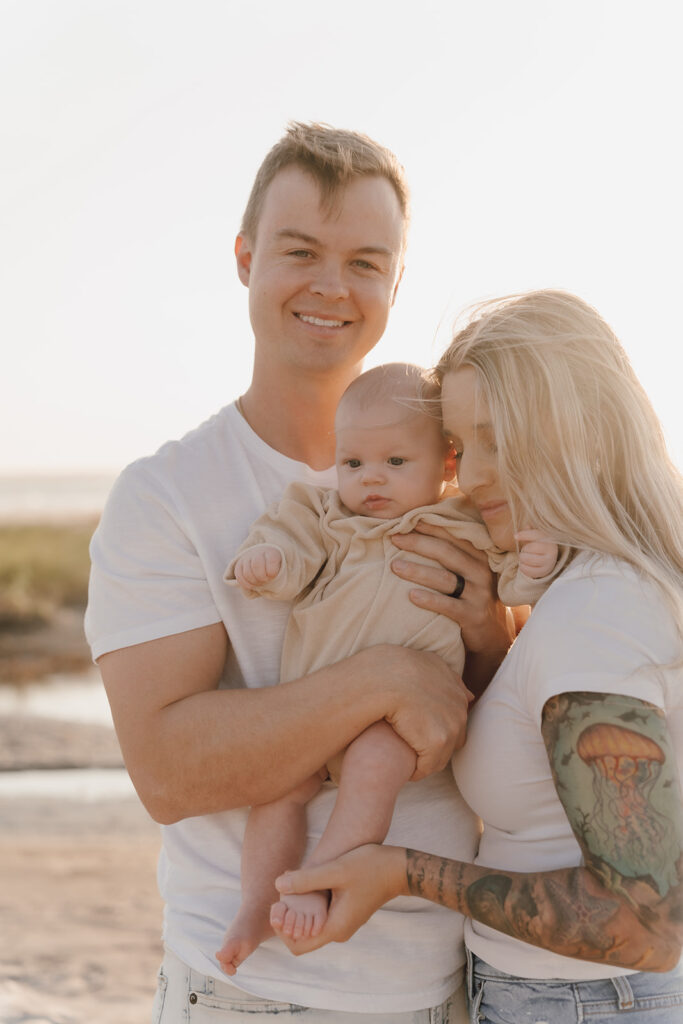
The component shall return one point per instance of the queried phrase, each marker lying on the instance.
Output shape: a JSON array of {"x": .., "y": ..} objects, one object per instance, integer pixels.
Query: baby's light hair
[{"x": 409, "y": 386}]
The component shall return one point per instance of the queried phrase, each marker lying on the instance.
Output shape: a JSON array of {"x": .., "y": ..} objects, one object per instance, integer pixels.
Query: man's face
[
  {"x": 321, "y": 283},
  {"x": 389, "y": 461}
]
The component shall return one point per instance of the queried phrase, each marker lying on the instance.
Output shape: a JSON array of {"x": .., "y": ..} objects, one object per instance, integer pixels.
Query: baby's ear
[{"x": 450, "y": 466}]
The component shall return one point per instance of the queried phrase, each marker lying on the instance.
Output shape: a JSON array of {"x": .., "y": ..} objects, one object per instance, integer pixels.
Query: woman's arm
[
  {"x": 616, "y": 775},
  {"x": 623, "y": 908}
]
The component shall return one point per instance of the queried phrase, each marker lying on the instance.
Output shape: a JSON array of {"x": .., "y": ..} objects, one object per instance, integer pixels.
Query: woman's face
[{"x": 467, "y": 423}]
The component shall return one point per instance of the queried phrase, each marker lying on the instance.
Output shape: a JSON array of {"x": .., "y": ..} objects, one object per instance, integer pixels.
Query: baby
[{"x": 330, "y": 551}]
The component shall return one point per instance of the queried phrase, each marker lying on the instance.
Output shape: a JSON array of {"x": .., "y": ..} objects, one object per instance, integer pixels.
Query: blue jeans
[{"x": 642, "y": 998}]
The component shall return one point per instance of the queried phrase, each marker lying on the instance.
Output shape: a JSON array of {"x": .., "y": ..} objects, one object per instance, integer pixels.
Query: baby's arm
[
  {"x": 292, "y": 527},
  {"x": 257, "y": 566},
  {"x": 538, "y": 554}
]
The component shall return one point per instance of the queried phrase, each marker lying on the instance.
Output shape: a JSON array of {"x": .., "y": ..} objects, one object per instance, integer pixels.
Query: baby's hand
[
  {"x": 538, "y": 554},
  {"x": 258, "y": 566}
]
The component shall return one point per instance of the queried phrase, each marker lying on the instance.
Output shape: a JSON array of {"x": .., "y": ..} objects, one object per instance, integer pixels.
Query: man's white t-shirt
[
  {"x": 171, "y": 525},
  {"x": 599, "y": 628}
]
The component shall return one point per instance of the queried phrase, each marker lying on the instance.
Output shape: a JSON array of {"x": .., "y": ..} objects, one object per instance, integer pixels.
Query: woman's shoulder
[
  {"x": 609, "y": 586},
  {"x": 600, "y": 616}
]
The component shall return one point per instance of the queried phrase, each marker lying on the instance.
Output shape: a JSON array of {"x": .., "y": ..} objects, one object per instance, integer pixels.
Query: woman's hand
[
  {"x": 360, "y": 882},
  {"x": 487, "y": 626}
]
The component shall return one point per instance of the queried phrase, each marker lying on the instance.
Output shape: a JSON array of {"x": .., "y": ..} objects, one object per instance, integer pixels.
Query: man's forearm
[
  {"x": 212, "y": 750},
  {"x": 245, "y": 747}
]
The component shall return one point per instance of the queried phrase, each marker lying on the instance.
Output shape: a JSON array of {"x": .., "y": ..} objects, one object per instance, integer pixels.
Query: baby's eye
[
  {"x": 353, "y": 463},
  {"x": 395, "y": 460}
]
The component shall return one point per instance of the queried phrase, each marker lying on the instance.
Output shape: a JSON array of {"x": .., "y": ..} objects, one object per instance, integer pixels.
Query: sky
[{"x": 540, "y": 139}]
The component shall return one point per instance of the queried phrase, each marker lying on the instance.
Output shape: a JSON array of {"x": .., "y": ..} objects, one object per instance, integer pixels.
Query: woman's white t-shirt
[{"x": 598, "y": 628}]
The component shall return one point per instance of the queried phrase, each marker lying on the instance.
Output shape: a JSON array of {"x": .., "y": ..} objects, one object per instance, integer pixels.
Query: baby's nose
[{"x": 372, "y": 474}]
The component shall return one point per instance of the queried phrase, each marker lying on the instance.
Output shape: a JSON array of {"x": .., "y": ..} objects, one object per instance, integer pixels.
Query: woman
[{"x": 575, "y": 901}]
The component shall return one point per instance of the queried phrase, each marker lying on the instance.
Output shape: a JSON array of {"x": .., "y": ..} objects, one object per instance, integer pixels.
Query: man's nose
[{"x": 329, "y": 281}]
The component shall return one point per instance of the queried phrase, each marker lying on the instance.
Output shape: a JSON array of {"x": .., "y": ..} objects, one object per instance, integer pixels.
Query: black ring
[{"x": 459, "y": 586}]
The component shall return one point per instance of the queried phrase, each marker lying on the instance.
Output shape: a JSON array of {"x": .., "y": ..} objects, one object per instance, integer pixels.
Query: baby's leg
[
  {"x": 274, "y": 840},
  {"x": 375, "y": 767}
]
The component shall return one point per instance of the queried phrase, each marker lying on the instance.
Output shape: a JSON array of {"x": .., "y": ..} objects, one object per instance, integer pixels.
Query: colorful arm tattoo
[{"x": 615, "y": 772}]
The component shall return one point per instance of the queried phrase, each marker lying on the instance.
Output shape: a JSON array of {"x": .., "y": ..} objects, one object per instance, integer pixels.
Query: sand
[
  {"x": 80, "y": 916},
  {"x": 80, "y": 919}
]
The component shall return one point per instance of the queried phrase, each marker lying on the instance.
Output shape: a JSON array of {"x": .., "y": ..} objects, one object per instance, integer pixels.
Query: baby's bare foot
[
  {"x": 301, "y": 915},
  {"x": 248, "y": 930}
]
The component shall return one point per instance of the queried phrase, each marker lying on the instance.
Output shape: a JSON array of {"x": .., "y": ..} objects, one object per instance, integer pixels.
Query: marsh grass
[{"x": 43, "y": 568}]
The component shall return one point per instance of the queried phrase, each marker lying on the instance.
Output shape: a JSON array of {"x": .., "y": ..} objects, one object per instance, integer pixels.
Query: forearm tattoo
[{"x": 617, "y": 778}]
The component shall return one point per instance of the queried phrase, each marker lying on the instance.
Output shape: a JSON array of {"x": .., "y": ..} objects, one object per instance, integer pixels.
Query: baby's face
[{"x": 389, "y": 460}]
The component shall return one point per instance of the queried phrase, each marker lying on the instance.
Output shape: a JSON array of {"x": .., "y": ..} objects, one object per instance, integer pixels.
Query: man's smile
[{"x": 319, "y": 322}]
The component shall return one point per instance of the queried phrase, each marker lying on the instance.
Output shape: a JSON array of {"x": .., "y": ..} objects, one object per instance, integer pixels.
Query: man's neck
[{"x": 295, "y": 419}]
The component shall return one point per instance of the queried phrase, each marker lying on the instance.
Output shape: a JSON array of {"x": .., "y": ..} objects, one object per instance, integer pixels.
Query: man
[{"x": 190, "y": 666}]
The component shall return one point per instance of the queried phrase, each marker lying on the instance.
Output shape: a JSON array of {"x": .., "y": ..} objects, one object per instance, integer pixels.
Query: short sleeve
[
  {"x": 600, "y": 632},
  {"x": 147, "y": 580}
]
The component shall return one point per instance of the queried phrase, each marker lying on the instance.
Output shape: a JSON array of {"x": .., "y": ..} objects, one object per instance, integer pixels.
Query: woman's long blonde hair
[{"x": 580, "y": 449}]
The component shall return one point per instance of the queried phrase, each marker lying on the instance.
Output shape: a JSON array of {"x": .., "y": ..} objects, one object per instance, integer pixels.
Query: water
[
  {"x": 31, "y": 497},
  {"x": 73, "y": 698},
  {"x": 68, "y": 698},
  {"x": 90, "y": 785}
]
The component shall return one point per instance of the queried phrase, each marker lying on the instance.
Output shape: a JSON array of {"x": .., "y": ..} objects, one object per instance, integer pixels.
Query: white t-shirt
[
  {"x": 172, "y": 524},
  {"x": 593, "y": 630}
]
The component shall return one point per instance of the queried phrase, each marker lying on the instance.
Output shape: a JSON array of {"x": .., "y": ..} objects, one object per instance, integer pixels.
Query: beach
[
  {"x": 80, "y": 913},
  {"x": 80, "y": 916}
]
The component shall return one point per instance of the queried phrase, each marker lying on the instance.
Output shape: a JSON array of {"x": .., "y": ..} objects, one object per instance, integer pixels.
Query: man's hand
[
  {"x": 429, "y": 702},
  {"x": 258, "y": 566}
]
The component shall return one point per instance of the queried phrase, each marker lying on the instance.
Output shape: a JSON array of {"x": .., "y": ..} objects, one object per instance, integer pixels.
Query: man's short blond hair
[{"x": 333, "y": 157}]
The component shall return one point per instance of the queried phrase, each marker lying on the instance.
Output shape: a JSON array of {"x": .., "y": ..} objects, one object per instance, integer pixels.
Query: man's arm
[{"x": 193, "y": 749}]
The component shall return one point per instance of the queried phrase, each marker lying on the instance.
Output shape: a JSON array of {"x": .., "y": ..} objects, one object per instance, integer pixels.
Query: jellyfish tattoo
[{"x": 625, "y": 766}]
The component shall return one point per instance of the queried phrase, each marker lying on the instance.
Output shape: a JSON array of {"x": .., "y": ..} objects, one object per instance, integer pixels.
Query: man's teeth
[{"x": 317, "y": 322}]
